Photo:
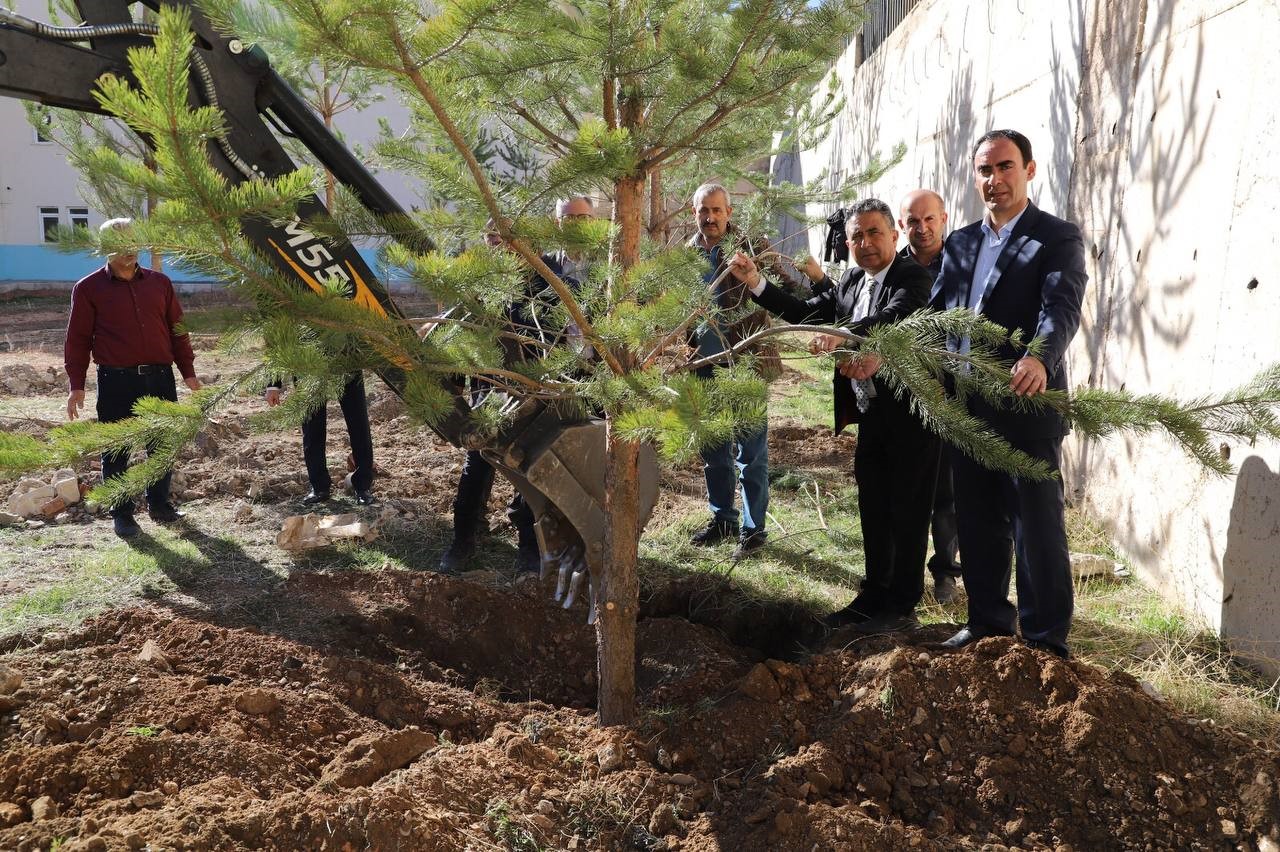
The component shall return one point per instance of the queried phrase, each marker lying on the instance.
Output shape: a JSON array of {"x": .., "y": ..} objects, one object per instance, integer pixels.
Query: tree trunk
[
  {"x": 618, "y": 591},
  {"x": 628, "y": 216}
]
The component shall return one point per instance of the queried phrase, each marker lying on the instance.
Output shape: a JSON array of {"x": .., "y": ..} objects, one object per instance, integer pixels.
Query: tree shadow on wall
[
  {"x": 1122, "y": 55},
  {"x": 1251, "y": 568}
]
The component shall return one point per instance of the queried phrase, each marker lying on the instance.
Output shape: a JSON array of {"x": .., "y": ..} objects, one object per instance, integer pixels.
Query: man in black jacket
[{"x": 896, "y": 460}]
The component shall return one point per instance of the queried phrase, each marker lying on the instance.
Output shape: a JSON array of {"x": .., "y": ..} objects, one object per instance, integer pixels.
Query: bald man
[{"x": 922, "y": 218}]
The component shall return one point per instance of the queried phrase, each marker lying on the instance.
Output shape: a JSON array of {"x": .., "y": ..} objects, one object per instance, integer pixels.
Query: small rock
[
  {"x": 944, "y": 745},
  {"x": 662, "y": 821},
  {"x": 152, "y": 654},
  {"x": 760, "y": 684},
  {"x": 257, "y": 702},
  {"x": 920, "y": 717},
  {"x": 10, "y": 680},
  {"x": 170, "y": 788},
  {"x": 1085, "y": 565},
  {"x": 1266, "y": 844},
  {"x": 134, "y": 840},
  {"x": 609, "y": 757},
  {"x": 1018, "y": 745},
  {"x": 372, "y": 756},
  {"x": 682, "y": 779},
  {"x": 147, "y": 799},
  {"x": 542, "y": 822},
  {"x": 11, "y": 814},
  {"x": 53, "y": 507},
  {"x": 1228, "y": 826},
  {"x": 9, "y": 519},
  {"x": 875, "y": 785},
  {"x": 46, "y": 808},
  {"x": 243, "y": 512},
  {"x": 68, "y": 489}
]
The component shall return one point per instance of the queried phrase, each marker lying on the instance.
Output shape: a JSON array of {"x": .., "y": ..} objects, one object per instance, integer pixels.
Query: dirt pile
[{"x": 393, "y": 711}]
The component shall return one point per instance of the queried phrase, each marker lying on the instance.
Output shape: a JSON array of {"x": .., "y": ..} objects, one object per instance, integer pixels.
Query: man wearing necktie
[
  {"x": 896, "y": 460},
  {"x": 1023, "y": 269}
]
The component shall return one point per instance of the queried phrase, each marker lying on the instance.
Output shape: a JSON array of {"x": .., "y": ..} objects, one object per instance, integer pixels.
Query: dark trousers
[
  {"x": 895, "y": 466},
  {"x": 117, "y": 392},
  {"x": 473, "y": 496},
  {"x": 946, "y": 537},
  {"x": 1008, "y": 523},
  {"x": 355, "y": 410}
]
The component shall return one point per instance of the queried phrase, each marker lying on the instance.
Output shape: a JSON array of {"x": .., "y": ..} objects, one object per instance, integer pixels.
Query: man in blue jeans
[{"x": 745, "y": 458}]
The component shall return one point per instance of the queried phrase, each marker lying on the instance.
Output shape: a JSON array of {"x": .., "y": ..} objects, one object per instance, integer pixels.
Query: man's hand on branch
[
  {"x": 744, "y": 269},
  {"x": 75, "y": 401},
  {"x": 821, "y": 344},
  {"x": 273, "y": 397},
  {"x": 812, "y": 269},
  {"x": 860, "y": 366},
  {"x": 1029, "y": 376},
  {"x": 192, "y": 382}
]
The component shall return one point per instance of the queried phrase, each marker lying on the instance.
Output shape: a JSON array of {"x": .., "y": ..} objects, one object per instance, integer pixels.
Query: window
[
  {"x": 79, "y": 216},
  {"x": 49, "y": 221}
]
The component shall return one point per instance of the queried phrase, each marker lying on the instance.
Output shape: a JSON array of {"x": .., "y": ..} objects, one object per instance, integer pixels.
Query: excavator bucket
[{"x": 558, "y": 468}]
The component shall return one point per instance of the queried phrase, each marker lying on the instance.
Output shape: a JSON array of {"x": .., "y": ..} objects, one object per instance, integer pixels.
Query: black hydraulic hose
[{"x": 84, "y": 33}]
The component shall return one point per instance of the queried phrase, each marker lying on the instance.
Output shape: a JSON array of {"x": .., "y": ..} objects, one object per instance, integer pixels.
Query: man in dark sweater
[
  {"x": 896, "y": 459},
  {"x": 922, "y": 218},
  {"x": 126, "y": 317}
]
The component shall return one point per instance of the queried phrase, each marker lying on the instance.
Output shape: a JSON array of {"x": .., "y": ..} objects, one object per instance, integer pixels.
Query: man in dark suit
[
  {"x": 1024, "y": 269},
  {"x": 896, "y": 459},
  {"x": 923, "y": 218}
]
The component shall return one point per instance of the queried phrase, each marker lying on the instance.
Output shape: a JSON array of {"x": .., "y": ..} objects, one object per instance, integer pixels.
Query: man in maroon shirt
[{"x": 126, "y": 317}]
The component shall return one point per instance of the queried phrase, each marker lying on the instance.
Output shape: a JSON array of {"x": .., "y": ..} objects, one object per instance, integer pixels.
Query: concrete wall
[{"x": 1155, "y": 129}]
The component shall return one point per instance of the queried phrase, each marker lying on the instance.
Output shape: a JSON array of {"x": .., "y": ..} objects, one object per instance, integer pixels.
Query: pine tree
[{"x": 611, "y": 94}]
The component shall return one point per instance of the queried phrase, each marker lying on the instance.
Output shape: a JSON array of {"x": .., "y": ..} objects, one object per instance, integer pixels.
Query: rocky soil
[{"x": 400, "y": 709}]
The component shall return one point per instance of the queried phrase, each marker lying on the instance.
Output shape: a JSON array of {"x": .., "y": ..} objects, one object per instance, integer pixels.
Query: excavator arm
[{"x": 557, "y": 465}]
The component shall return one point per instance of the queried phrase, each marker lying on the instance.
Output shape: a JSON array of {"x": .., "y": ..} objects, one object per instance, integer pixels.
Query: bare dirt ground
[{"x": 359, "y": 700}]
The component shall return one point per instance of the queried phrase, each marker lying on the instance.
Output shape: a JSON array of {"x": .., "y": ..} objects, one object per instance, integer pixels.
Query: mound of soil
[{"x": 395, "y": 711}]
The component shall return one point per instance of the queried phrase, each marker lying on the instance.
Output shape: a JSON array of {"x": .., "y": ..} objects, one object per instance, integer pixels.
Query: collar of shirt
[
  {"x": 138, "y": 273},
  {"x": 996, "y": 238},
  {"x": 878, "y": 275}
]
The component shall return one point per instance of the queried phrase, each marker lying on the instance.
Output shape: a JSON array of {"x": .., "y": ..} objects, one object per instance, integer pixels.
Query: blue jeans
[
  {"x": 746, "y": 458},
  {"x": 722, "y": 465}
]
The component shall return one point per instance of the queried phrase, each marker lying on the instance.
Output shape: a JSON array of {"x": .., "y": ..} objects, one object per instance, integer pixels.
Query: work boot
[
  {"x": 528, "y": 559},
  {"x": 750, "y": 542},
  {"x": 714, "y": 532},
  {"x": 944, "y": 588},
  {"x": 164, "y": 513},
  {"x": 124, "y": 524},
  {"x": 458, "y": 555}
]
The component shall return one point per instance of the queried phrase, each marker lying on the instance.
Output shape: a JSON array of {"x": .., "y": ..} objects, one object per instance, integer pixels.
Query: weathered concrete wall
[{"x": 1155, "y": 128}]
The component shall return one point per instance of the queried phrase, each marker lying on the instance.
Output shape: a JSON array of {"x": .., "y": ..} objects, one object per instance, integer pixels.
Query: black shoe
[
  {"x": 944, "y": 588},
  {"x": 1038, "y": 645},
  {"x": 125, "y": 526},
  {"x": 714, "y": 532},
  {"x": 887, "y": 623},
  {"x": 364, "y": 498},
  {"x": 844, "y": 617},
  {"x": 750, "y": 542},
  {"x": 967, "y": 636},
  {"x": 458, "y": 555},
  {"x": 313, "y": 497},
  {"x": 164, "y": 513},
  {"x": 528, "y": 559}
]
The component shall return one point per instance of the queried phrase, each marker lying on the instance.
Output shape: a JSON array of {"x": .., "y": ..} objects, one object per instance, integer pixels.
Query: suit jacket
[
  {"x": 904, "y": 291},
  {"x": 1037, "y": 290}
]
